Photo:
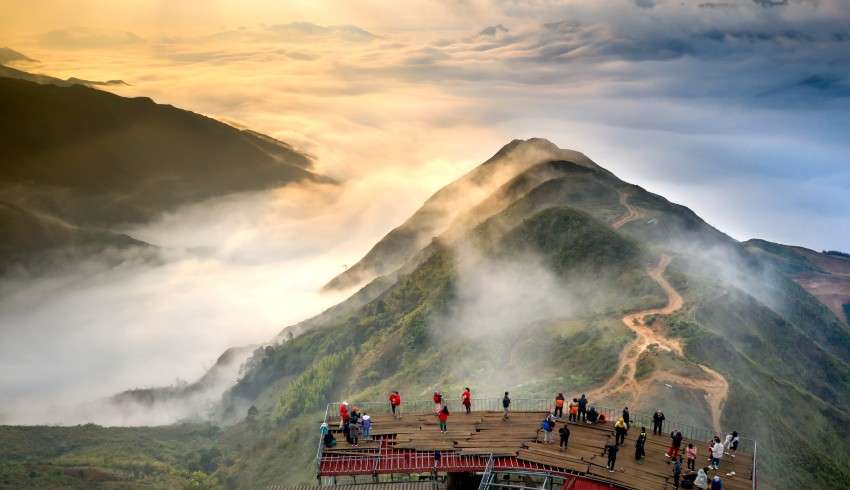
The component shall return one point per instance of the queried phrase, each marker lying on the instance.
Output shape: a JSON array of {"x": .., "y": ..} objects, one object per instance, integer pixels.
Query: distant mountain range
[{"x": 76, "y": 163}]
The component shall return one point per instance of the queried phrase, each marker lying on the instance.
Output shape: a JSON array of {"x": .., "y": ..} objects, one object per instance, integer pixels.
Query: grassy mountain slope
[{"x": 525, "y": 289}]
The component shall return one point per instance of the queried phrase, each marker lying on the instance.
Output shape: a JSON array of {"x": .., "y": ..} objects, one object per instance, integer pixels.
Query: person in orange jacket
[
  {"x": 466, "y": 400},
  {"x": 559, "y": 405}
]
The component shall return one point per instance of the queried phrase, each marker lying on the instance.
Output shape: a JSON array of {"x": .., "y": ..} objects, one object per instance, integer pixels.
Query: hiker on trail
[
  {"x": 716, "y": 454},
  {"x": 677, "y": 471},
  {"x": 466, "y": 400},
  {"x": 691, "y": 453},
  {"x": 716, "y": 483},
  {"x": 438, "y": 401},
  {"x": 701, "y": 480},
  {"x": 573, "y": 417},
  {"x": 640, "y": 444},
  {"x": 367, "y": 425},
  {"x": 444, "y": 418},
  {"x": 559, "y": 405},
  {"x": 611, "y": 449},
  {"x": 626, "y": 417},
  {"x": 506, "y": 404},
  {"x": 395, "y": 404},
  {"x": 582, "y": 407},
  {"x": 657, "y": 421},
  {"x": 343, "y": 414},
  {"x": 731, "y": 443},
  {"x": 565, "y": 436},
  {"x": 620, "y": 431},
  {"x": 675, "y": 445},
  {"x": 591, "y": 416}
]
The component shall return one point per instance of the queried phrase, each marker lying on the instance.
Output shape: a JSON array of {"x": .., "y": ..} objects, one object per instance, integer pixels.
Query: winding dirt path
[
  {"x": 631, "y": 213},
  {"x": 714, "y": 385}
]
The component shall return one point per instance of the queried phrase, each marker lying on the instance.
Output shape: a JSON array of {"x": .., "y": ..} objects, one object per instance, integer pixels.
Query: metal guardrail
[
  {"x": 755, "y": 465},
  {"x": 638, "y": 419},
  {"x": 487, "y": 476}
]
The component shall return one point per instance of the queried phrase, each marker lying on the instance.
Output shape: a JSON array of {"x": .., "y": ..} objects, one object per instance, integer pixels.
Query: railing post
[{"x": 755, "y": 465}]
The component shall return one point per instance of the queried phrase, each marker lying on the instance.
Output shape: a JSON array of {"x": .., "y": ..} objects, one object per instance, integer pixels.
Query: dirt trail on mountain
[
  {"x": 715, "y": 387},
  {"x": 631, "y": 213}
]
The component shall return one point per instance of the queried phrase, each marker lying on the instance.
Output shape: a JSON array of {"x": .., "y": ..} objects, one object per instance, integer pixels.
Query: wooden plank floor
[{"x": 487, "y": 432}]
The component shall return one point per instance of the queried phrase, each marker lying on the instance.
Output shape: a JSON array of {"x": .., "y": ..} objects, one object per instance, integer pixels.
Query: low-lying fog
[{"x": 234, "y": 271}]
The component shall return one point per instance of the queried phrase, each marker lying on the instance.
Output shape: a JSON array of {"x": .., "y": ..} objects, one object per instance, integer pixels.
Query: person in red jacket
[
  {"x": 466, "y": 400},
  {"x": 343, "y": 414},
  {"x": 438, "y": 402},
  {"x": 444, "y": 417},
  {"x": 395, "y": 404}
]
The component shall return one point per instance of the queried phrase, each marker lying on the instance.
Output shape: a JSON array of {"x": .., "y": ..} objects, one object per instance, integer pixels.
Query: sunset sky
[{"x": 738, "y": 110}]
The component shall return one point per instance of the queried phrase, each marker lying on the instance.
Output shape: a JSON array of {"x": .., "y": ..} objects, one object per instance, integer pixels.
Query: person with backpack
[
  {"x": 573, "y": 417},
  {"x": 640, "y": 444},
  {"x": 657, "y": 421},
  {"x": 444, "y": 418},
  {"x": 506, "y": 404},
  {"x": 675, "y": 445},
  {"x": 620, "y": 431},
  {"x": 691, "y": 453},
  {"x": 565, "y": 436},
  {"x": 626, "y": 417},
  {"x": 582, "y": 408},
  {"x": 329, "y": 440},
  {"x": 438, "y": 402},
  {"x": 466, "y": 400},
  {"x": 559, "y": 405},
  {"x": 395, "y": 404},
  {"x": 611, "y": 449},
  {"x": 716, "y": 454}
]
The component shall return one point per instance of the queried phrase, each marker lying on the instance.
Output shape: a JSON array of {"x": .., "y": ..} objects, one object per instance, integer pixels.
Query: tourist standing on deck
[
  {"x": 506, "y": 404},
  {"x": 716, "y": 454},
  {"x": 620, "y": 431},
  {"x": 716, "y": 483},
  {"x": 565, "y": 436},
  {"x": 395, "y": 404},
  {"x": 701, "y": 481},
  {"x": 734, "y": 446},
  {"x": 657, "y": 421},
  {"x": 343, "y": 414},
  {"x": 367, "y": 425},
  {"x": 547, "y": 426},
  {"x": 626, "y": 417},
  {"x": 677, "y": 471},
  {"x": 691, "y": 453},
  {"x": 675, "y": 445},
  {"x": 444, "y": 418},
  {"x": 573, "y": 410},
  {"x": 582, "y": 407},
  {"x": 466, "y": 400},
  {"x": 559, "y": 405},
  {"x": 438, "y": 402},
  {"x": 611, "y": 449},
  {"x": 640, "y": 444}
]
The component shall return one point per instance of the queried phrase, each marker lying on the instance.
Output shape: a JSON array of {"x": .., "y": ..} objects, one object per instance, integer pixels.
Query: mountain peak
[{"x": 538, "y": 150}]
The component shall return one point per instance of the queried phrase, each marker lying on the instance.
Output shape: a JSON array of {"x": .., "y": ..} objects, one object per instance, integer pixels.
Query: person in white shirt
[{"x": 716, "y": 453}]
